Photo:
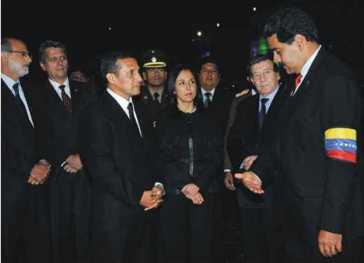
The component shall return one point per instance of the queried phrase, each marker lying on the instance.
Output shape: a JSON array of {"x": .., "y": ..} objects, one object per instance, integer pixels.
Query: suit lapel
[
  {"x": 75, "y": 96},
  {"x": 294, "y": 102},
  {"x": 116, "y": 113},
  {"x": 54, "y": 99},
  {"x": 10, "y": 98}
]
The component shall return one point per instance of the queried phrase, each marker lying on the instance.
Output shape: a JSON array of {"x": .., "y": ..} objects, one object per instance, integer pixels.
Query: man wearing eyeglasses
[
  {"x": 59, "y": 104},
  {"x": 24, "y": 235}
]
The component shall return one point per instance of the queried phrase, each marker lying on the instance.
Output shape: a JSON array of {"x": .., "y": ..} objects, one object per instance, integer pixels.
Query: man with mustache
[{"x": 24, "y": 231}]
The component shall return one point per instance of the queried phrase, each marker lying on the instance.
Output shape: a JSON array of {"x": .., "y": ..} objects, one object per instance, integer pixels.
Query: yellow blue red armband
[{"x": 340, "y": 144}]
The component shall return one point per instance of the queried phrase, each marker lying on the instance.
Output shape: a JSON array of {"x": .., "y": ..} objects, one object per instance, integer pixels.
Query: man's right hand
[
  {"x": 39, "y": 173},
  {"x": 251, "y": 181},
  {"x": 149, "y": 201}
]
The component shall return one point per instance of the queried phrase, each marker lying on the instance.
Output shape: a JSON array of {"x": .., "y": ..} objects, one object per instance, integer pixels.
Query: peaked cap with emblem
[{"x": 154, "y": 58}]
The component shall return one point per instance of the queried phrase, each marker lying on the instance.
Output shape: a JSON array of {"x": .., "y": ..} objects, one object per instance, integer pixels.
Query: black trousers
[
  {"x": 118, "y": 232},
  {"x": 63, "y": 229},
  {"x": 25, "y": 236},
  {"x": 185, "y": 230},
  {"x": 296, "y": 252},
  {"x": 257, "y": 234}
]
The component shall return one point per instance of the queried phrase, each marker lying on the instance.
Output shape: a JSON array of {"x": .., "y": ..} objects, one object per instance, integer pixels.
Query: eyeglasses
[{"x": 23, "y": 53}]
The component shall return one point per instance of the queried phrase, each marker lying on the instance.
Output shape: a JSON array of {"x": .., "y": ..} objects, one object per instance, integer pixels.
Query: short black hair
[
  {"x": 49, "y": 44},
  {"x": 288, "y": 22},
  {"x": 209, "y": 59},
  {"x": 108, "y": 62},
  {"x": 258, "y": 59}
]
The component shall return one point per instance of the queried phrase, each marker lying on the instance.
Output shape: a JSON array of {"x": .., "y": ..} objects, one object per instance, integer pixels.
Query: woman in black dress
[{"x": 189, "y": 157}]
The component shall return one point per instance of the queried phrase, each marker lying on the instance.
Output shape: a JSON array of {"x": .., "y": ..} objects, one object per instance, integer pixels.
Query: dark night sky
[{"x": 140, "y": 25}]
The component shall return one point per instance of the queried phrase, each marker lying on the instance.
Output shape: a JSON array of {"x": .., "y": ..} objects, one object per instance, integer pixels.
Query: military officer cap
[{"x": 154, "y": 58}]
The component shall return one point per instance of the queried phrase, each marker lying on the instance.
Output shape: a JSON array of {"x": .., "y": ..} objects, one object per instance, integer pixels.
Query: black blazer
[
  {"x": 17, "y": 152},
  {"x": 246, "y": 139},
  {"x": 186, "y": 140},
  {"x": 117, "y": 160},
  {"x": 115, "y": 156},
  {"x": 219, "y": 108},
  {"x": 24, "y": 212},
  {"x": 152, "y": 110},
  {"x": 324, "y": 191},
  {"x": 57, "y": 131}
]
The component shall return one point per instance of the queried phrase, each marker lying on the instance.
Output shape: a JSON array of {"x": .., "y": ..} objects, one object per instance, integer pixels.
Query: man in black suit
[
  {"x": 115, "y": 151},
  {"x": 22, "y": 175},
  {"x": 254, "y": 129},
  {"x": 316, "y": 149},
  {"x": 60, "y": 102},
  {"x": 154, "y": 96},
  {"x": 215, "y": 100}
]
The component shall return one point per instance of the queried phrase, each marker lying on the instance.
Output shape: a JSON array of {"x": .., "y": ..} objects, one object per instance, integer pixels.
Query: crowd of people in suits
[{"x": 148, "y": 168}]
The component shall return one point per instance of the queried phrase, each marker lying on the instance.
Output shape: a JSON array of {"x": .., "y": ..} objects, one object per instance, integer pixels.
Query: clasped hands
[
  {"x": 72, "y": 164},
  {"x": 152, "y": 198},
  {"x": 39, "y": 172},
  {"x": 191, "y": 191}
]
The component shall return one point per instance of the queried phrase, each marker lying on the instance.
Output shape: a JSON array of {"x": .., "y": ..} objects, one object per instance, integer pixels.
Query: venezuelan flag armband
[{"x": 340, "y": 144}]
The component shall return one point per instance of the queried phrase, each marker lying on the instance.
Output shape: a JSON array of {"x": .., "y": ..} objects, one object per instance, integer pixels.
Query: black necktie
[
  {"x": 156, "y": 97},
  {"x": 207, "y": 99},
  {"x": 18, "y": 99},
  {"x": 262, "y": 112},
  {"x": 132, "y": 117},
  {"x": 66, "y": 100}
]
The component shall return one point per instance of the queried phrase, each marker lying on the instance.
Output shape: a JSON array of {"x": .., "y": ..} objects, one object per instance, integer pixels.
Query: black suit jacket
[
  {"x": 323, "y": 191},
  {"x": 57, "y": 136},
  {"x": 152, "y": 109},
  {"x": 117, "y": 160},
  {"x": 246, "y": 139},
  {"x": 24, "y": 214},
  {"x": 219, "y": 108},
  {"x": 17, "y": 153},
  {"x": 57, "y": 131}
]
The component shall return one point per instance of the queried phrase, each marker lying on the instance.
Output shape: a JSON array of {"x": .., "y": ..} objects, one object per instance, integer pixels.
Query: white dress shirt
[
  {"x": 56, "y": 85},
  {"x": 10, "y": 83},
  {"x": 306, "y": 67},
  {"x": 124, "y": 105},
  {"x": 212, "y": 92}
]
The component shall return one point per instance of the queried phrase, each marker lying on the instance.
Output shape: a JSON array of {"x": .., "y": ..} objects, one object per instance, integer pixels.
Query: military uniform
[{"x": 154, "y": 101}]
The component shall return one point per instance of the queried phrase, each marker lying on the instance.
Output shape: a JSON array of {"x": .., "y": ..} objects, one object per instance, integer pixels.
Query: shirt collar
[
  {"x": 159, "y": 91},
  {"x": 120, "y": 100},
  {"x": 271, "y": 95},
  {"x": 210, "y": 91},
  {"x": 9, "y": 82},
  {"x": 56, "y": 85},
  {"x": 306, "y": 67}
]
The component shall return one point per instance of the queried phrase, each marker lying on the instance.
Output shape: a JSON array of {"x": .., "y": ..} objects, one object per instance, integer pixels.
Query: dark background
[{"x": 171, "y": 26}]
